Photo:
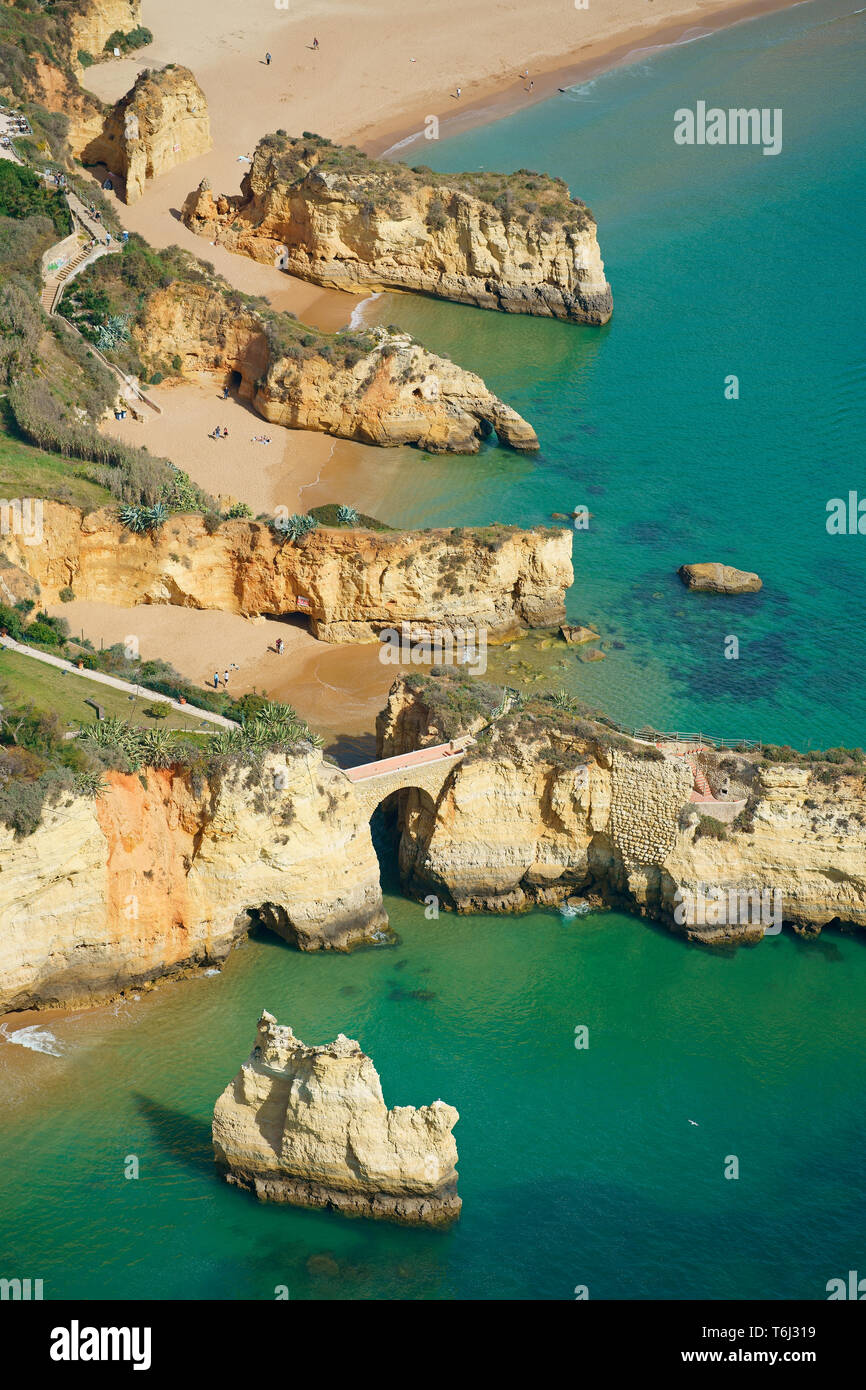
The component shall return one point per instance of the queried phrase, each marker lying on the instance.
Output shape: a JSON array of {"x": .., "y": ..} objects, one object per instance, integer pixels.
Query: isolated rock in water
[
  {"x": 309, "y": 1126},
  {"x": 715, "y": 578},
  {"x": 575, "y": 636}
]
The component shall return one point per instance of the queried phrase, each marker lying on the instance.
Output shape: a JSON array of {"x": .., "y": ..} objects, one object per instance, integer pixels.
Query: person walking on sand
[
  {"x": 279, "y": 646},
  {"x": 225, "y": 393},
  {"x": 226, "y": 678},
  {"x": 315, "y": 43},
  {"x": 216, "y": 433},
  {"x": 458, "y": 92},
  {"x": 216, "y": 680},
  {"x": 268, "y": 59},
  {"x": 225, "y": 432}
]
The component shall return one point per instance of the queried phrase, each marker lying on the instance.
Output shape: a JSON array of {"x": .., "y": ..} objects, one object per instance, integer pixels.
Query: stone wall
[{"x": 646, "y": 801}]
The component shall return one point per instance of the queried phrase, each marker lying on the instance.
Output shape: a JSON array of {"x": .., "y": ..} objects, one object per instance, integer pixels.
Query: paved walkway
[
  {"x": 422, "y": 757},
  {"x": 191, "y": 711}
]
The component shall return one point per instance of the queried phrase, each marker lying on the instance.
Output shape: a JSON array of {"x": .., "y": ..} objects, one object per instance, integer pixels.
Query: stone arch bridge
[{"x": 426, "y": 768}]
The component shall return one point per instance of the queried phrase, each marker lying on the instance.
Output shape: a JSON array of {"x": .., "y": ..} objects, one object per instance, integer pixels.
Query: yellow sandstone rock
[
  {"x": 540, "y": 811},
  {"x": 329, "y": 214},
  {"x": 355, "y": 583},
  {"x": 397, "y": 393},
  {"x": 91, "y": 22},
  {"x": 309, "y": 1126},
  {"x": 150, "y": 881},
  {"x": 161, "y": 122},
  {"x": 715, "y": 578}
]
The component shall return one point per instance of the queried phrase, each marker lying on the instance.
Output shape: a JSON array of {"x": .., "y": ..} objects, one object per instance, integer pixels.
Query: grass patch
[
  {"x": 26, "y": 471},
  {"x": 327, "y": 516},
  {"x": 25, "y": 680}
]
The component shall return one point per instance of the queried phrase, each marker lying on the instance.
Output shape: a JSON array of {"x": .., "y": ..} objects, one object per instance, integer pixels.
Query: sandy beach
[
  {"x": 298, "y": 469},
  {"x": 338, "y": 689},
  {"x": 378, "y": 73}
]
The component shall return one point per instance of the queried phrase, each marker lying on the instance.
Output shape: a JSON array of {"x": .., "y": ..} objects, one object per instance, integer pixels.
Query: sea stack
[
  {"x": 712, "y": 577},
  {"x": 309, "y": 1126},
  {"x": 162, "y": 121}
]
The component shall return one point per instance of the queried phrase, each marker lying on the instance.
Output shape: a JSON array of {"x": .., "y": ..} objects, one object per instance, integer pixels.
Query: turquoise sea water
[
  {"x": 577, "y": 1167},
  {"x": 722, "y": 260}
]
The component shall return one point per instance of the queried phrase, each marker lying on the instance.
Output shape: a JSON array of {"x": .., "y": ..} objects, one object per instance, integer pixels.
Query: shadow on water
[{"x": 183, "y": 1137}]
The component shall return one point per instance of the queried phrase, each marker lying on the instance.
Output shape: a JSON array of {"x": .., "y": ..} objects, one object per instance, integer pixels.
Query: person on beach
[
  {"x": 315, "y": 43},
  {"x": 279, "y": 646},
  {"x": 216, "y": 680},
  {"x": 268, "y": 59},
  {"x": 225, "y": 433},
  {"x": 225, "y": 393},
  {"x": 458, "y": 93},
  {"x": 226, "y": 678},
  {"x": 216, "y": 433}
]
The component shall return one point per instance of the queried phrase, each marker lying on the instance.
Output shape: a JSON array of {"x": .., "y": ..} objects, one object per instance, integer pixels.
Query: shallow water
[
  {"x": 722, "y": 261},
  {"x": 603, "y": 1166},
  {"x": 576, "y": 1166}
]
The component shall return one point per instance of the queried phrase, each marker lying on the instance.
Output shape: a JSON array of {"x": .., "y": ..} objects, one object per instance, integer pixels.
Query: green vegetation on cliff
[
  {"x": 379, "y": 183},
  {"x": 40, "y": 706},
  {"x": 329, "y": 515},
  {"x": 116, "y": 289},
  {"x": 23, "y": 195}
]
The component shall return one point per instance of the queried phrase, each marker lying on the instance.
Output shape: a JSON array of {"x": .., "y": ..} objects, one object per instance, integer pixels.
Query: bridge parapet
[{"x": 427, "y": 769}]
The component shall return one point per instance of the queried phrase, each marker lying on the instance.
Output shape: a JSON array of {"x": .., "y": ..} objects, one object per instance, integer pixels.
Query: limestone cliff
[
  {"x": 513, "y": 242},
  {"x": 154, "y": 879},
  {"x": 546, "y": 806},
  {"x": 309, "y": 1126},
  {"x": 392, "y": 392},
  {"x": 161, "y": 122},
  {"x": 50, "y": 81},
  {"x": 351, "y": 584},
  {"x": 91, "y": 22}
]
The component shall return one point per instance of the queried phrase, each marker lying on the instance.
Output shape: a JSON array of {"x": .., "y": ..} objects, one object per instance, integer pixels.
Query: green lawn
[
  {"x": 24, "y": 679},
  {"x": 26, "y": 471}
]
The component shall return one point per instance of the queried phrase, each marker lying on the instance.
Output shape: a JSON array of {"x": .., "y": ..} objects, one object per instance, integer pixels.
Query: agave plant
[
  {"x": 141, "y": 519},
  {"x": 562, "y": 700},
  {"x": 134, "y": 518},
  {"x": 91, "y": 784},
  {"x": 156, "y": 746},
  {"x": 113, "y": 332},
  {"x": 228, "y": 741},
  {"x": 116, "y": 734},
  {"x": 112, "y": 732},
  {"x": 347, "y": 516},
  {"x": 295, "y": 526}
]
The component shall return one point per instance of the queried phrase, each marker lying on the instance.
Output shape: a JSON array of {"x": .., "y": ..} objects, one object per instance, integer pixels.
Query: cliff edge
[
  {"x": 351, "y": 584},
  {"x": 718, "y": 845},
  {"x": 516, "y": 242}
]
